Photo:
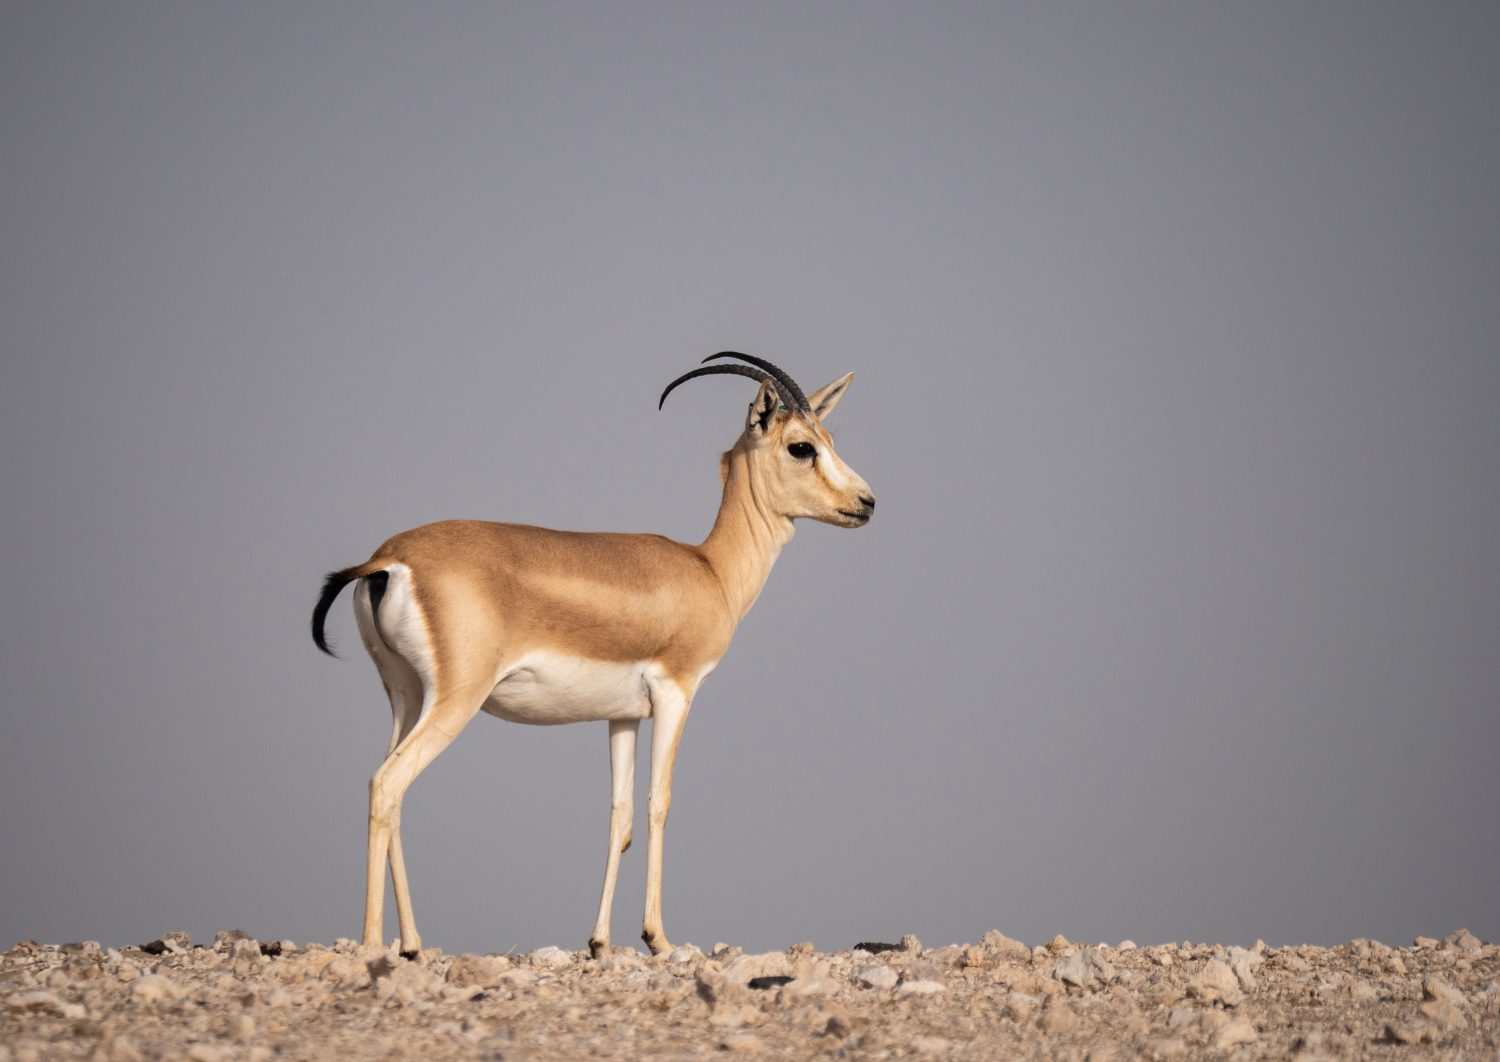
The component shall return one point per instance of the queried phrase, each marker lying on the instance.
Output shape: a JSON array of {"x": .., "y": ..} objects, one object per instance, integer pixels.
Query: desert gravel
[{"x": 241, "y": 998}]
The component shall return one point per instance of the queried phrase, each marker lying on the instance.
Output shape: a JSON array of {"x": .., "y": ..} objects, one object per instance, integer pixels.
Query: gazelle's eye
[{"x": 801, "y": 450}]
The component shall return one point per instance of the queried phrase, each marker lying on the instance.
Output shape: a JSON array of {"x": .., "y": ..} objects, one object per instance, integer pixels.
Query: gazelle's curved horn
[
  {"x": 785, "y": 384},
  {"x": 718, "y": 370}
]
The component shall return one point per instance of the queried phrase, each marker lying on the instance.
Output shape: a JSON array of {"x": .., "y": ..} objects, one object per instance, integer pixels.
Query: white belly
[{"x": 548, "y": 688}]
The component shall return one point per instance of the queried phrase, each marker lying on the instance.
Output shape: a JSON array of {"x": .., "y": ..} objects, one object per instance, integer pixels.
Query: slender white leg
[
  {"x": 421, "y": 746},
  {"x": 622, "y": 734},
  {"x": 406, "y": 719},
  {"x": 667, "y": 717}
]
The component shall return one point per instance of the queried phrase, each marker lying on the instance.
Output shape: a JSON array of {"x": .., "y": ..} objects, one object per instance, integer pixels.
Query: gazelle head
[{"x": 795, "y": 469}]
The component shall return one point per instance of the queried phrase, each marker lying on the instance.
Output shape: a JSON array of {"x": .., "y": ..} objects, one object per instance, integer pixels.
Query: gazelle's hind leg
[
  {"x": 410, "y": 698},
  {"x": 403, "y": 686},
  {"x": 446, "y": 716},
  {"x": 622, "y": 791},
  {"x": 428, "y": 715}
]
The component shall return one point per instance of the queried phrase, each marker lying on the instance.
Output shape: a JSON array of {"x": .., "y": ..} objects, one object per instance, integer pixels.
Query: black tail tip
[{"x": 335, "y": 582}]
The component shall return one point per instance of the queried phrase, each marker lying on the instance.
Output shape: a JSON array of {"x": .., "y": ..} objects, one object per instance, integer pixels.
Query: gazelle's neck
[{"x": 747, "y": 536}]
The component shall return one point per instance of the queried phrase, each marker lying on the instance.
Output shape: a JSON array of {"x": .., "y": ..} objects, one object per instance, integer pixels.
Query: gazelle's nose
[{"x": 868, "y": 500}]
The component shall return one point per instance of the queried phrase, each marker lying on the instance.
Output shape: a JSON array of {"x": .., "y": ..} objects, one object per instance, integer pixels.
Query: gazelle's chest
[{"x": 546, "y": 688}]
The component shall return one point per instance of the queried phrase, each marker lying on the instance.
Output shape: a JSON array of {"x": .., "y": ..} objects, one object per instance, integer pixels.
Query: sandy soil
[{"x": 239, "y": 998}]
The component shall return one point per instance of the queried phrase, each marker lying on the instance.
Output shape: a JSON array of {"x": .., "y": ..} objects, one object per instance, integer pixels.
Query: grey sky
[{"x": 1174, "y": 328}]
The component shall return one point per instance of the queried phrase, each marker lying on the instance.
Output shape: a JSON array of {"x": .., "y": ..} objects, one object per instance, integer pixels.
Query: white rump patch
[{"x": 397, "y": 640}]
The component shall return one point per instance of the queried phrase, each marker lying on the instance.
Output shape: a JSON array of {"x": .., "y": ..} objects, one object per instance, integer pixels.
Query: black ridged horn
[
  {"x": 785, "y": 384},
  {"x": 718, "y": 370}
]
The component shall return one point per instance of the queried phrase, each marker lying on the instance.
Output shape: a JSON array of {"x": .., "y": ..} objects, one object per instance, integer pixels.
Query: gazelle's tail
[{"x": 335, "y": 582}]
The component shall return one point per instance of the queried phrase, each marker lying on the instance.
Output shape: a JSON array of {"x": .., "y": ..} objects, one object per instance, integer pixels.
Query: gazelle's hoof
[{"x": 598, "y": 948}]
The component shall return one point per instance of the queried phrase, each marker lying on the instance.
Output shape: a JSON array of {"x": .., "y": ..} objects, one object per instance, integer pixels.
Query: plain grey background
[{"x": 1174, "y": 327}]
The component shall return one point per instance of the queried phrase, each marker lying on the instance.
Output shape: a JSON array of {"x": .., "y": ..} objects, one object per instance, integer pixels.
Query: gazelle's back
[{"x": 592, "y": 595}]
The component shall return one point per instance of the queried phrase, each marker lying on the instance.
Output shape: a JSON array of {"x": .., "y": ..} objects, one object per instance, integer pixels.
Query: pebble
[
  {"x": 552, "y": 958},
  {"x": 46, "y": 1002},
  {"x": 154, "y": 988},
  {"x": 1408, "y": 1032},
  {"x": 1243, "y": 963},
  {"x": 245, "y": 957},
  {"x": 1217, "y": 982},
  {"x": 810, "y": 987},
  {"x": 478, "y": 970},
  {"x": 1238, "y": 1031},
  {"x": 1463, "y": 940},
  {"x": 1073, "y": 970},
  {"x": 920, "y": 988},
  {"x": 1436, "y": 988},
  {"x": 836, "y": 1022},
  {"x": 875, "y": 977},
  {"x": 1004, "y": 947},
  {"x": 769, "y": 964},
  {"x": 1019, "y": 1007},
  {"x": 985, "y": 1000},
  {"x": 1059, "y": 1019}
]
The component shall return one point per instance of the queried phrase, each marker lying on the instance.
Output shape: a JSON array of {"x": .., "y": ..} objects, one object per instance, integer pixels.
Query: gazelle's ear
[
  {"x": 763, "y": 409},
  {"x": 824, "y": 399}
]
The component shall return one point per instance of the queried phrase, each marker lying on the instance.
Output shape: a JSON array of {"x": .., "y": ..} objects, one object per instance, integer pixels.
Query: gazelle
[{"x": 546, "y": 627}]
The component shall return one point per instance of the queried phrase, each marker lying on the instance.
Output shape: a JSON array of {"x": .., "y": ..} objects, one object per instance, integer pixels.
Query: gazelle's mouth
[{"x": 859, "y": 518}]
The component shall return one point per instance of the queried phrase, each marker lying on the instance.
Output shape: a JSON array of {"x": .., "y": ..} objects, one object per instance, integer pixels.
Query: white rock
[
  {"x": 1073, "y": 970},
  {"x": 876, "y": 977},
  {"x": 154, "y": 988},
  {"x": 767, "y": 964},
  {"x": 1243, "y": 963},
  {"x": 1238, "y": 1031},
  {"x": 48, "y": 1002},
  {"x": 1217, "y": 981},
  {"x": 245, "y": 958},
  {"x": 812, "y": 987},
  {"x": 477, "y": 970},
  {"x": 1019, "y": 1007},
  {"x": 920, "y": 988},
  {"x": 1434, "y": 988},
  {"x": 227, "y": 938},
  {"x": 1463, "y": 940},
  {"x": 1084, "y": 968},
  {"x": 551, "y": 958}
]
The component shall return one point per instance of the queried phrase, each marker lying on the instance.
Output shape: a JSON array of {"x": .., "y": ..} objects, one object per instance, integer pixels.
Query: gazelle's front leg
[
  {"x": 621, "y": 797},
  {"x": 669, "y": 712}
]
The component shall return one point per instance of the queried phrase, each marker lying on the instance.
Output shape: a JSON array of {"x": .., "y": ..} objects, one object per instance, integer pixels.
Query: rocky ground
[{"x": 240, "y": 998}]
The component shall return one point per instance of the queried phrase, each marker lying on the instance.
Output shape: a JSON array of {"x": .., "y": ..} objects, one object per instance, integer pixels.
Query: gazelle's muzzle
[{"x": 861, "y": 516}]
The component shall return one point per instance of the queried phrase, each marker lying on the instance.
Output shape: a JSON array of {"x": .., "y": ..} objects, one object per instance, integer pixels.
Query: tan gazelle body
[{"x": 546, "y": 627}]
